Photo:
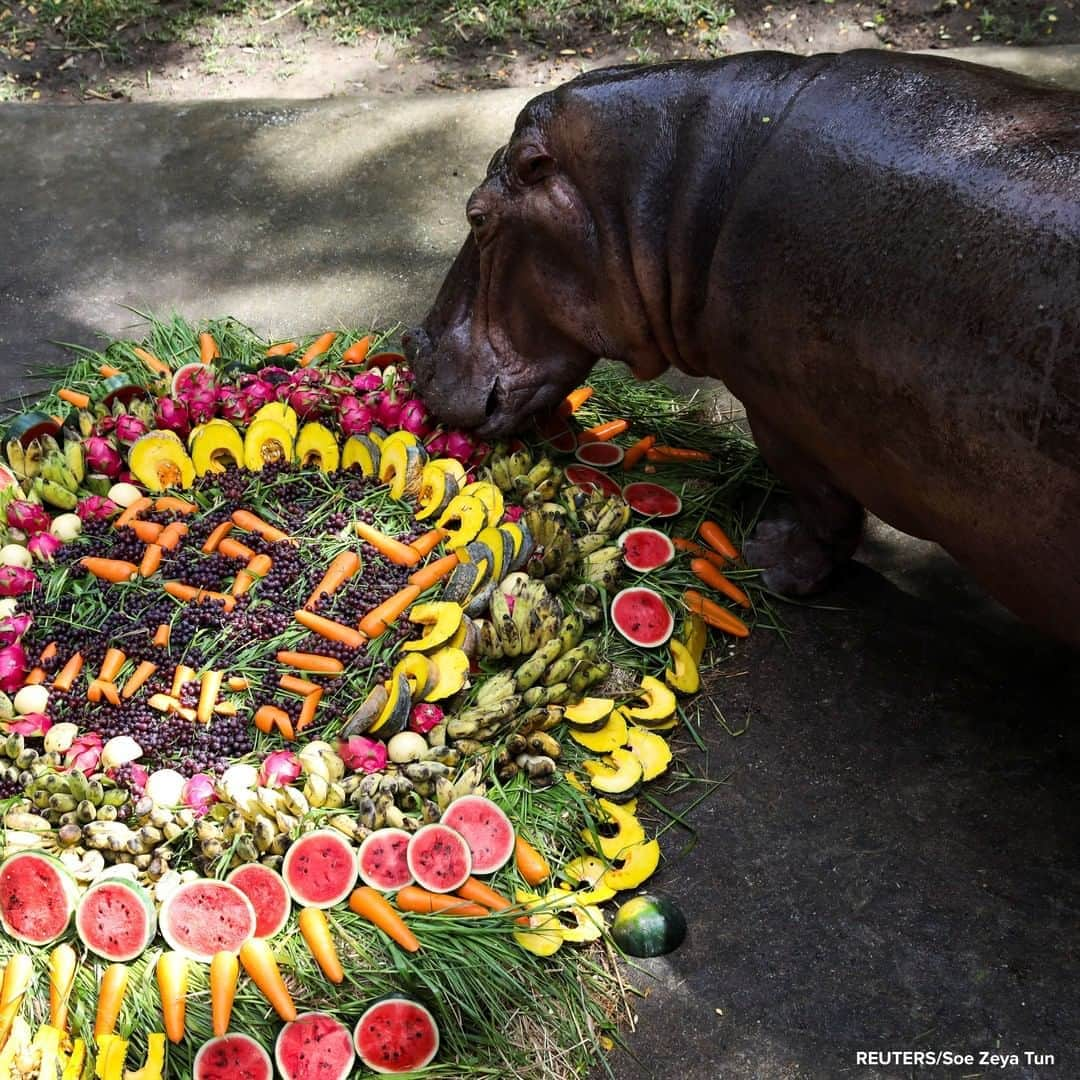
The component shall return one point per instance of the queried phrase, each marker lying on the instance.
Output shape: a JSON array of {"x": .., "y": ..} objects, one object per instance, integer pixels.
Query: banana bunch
[
  {"x": 554, "y": 555},
  {"x": 524, "y": 615},
  {"x": 601, "y": 568},
  {"x": 61, "y": 472},
  {"x": 69, "y": 801},
  {"x": 535, "y": 755},
  {"x": 527, "y": 481},
  {"x": 586, "y": 600},
  {"x": 594, "y": 511}
]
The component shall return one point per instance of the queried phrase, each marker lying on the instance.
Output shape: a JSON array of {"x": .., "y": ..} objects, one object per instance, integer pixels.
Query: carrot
[
  {"x": 379, "y": 619},
  {"x": 163, "y": 703},
  {"x": 398, "y": 553},
  {"x": 434, "y": 572},
  {"x": 714, "y": 614},
  {"x": 258, "y": 566},
  {"x": 636, "y": 452},
  {"x": 48, "y": 652},
  {"x": 676, "y": 453},
  {"x": 208, "y": 348},
  {"x": 233, "y": 549},
  {"x": 114, "y": 570},
  {"x": 131, "y": 512},
  {"x": 215, "y": 538},
  {"x": 430, "y": 540},
  {"x": 332, "y": 631},
  {"x": 172, "y": 534},
  {"x": 209, "y": 688},
  {"x": 172, "y": 979},
  {"x": 307, "y": 710},
  {"x": 694, "y": 548},
  {"x": 357, "y": 351},
  {"x": 224, "y": 969},
  {"x": 316, "y": 349},
  {"x": 604, "y": 432},
  {"x": 706, "y": 572},
  {"x": 374, "y": 907},
  {"x": 191, "y": 593},
  {"x": 226, "y": 708},
  {"x": 181, "y": 674},
  {"x": 341, "y": 568},
  {"x": 111, "y": 665},
  {"x": 267, "y": 717},
  {"x": 107, "y": 371},
  {"x": 110, "y": 998},
  {"x": 162, "y": 635},
  {"x": 138, "y": 677},
  {"x": 237, "y": 682},
  {"x": 73, "y": 397},
  {"x": 313, "y": 662},
  {"x": 17, "y": 977},
  {"x": 298, "y": 686},
  {"x": 36, "y": 677},
  {"x": 151, "y": 361},
  {"x": 151, "y": 560},
  {"x": 282, "y": 348},
  {"x": 174, "y": 504},
  {"x": 315, "y": 928},
  {"x": 100, "y": 688},
  {"x": 531, "y": 865},
  {"x": 482, "y": 894},
  {"x": 574, "y": 400},
  {"x": 62, "y": 964},
  {"x": 69, "y": 672},
  {"x": 146, "y": 531},
  {"x": 717, "y": 539},
  {"x": 245, "y": 519},
  {"x": 259, "y": 962},
  {"x": 413, "y": 898}
]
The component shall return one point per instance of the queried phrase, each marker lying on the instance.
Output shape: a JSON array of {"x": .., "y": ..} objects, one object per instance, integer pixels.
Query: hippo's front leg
[{"x": 798, "y": 552}]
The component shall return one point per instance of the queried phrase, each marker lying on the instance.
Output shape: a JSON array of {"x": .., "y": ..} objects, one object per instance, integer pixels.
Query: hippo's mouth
[{"x": 508, "y": 406}]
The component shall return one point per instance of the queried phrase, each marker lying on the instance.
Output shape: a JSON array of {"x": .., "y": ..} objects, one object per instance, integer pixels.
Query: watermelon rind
[
  {"x": 588, "y": 477},
  {"x": 362, "y": 1036},
  {"x": 257, "y": 1066},
  {"x": 369, "y": 874},
  {"x": 135, "y": 895},
  {"x": 653, "y": 534},
  {"x": 478, "y": 836},
  {"x": 173, "y": 935},
  {"x": 430, "y": 835},
  {"x": 637, "y": 493},
  {"x": 307, "y": 1068},
  {"x": 293, "y": 866},
  {"x": 15, "y": 924},
  {"x": 591, "y": 453},
  {"x": 634, "y": 636},
  {"x": 266, "y": 923},
  {"x": 648, "y": 925},
  {"x": 182, "y": 374}
]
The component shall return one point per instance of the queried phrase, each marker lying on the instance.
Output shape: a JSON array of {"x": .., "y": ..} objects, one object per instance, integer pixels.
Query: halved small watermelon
[
  {"x": 604, "y": 455},
  {"x": 37, "y": 897},
  {"x": 646, "y": 549},
  {"x": 557, "y": 433},
  {"x": 205, "y": 917},
  {"x": 188, "y": 376},
  {"x": 314, "y": 1046},
  {"x": 266, "y": 890},
  {"x": 652, "y": 500},
  {"x": 382, "y": 859},
  {"x": 642, "y": 617},
  {"x": 232, "y": 1057},
  {"x": 589, "y": 479},
  {"x": 439, "y": 858},
  {"x": 396, "y": 1035},
  {"x": 320, "y": 868},
  {"x": 487, "y": 831},
  {"x": 116, "y": 919}
]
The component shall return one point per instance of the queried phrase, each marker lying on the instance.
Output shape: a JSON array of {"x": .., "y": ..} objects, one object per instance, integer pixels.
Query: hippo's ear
[{"x": 533, "y": 165}]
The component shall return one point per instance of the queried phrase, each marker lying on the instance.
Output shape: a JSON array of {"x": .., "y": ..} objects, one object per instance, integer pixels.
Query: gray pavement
[{"x": 892, "y": 864}]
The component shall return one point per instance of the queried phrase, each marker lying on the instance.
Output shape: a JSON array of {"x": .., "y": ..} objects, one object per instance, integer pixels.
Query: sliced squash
[
  {"x": 453, "y": 467},
  {"x": 650, "y": 749},
  {"x": 695, "y": 635},
  {"x": 683, "y": 674},
  {"x": 280, "y": 413},
  {"x": 544, "y": 936},
  {"x": 401, "y": 466},
  {"x": 617, "y": 830},
  {"x": 159, "y": 461},
  {"x": 362, "y": 451},
  {"x": 461, "y": 582},
  {"x": 437, "y": 487},
  {"x": 420, "y": 673},
  {"x": 267, "y": 443},
  {"x": 669, "y": 723},
  {"x": 588, "y": 920},
  {"x": 214, "y": 446},
  {"x": 399, "y": 438},
  {"x": 659, "y": 701},
  {"x": 490, "y": 496},
  {"x": 366, "y": 715},
  {"x": 589, "y": 714},
  {"x": 501, "y": 544},
  {"x": 441, "y": 619},
  {"x": 639, "y": 863},
  {"x": 395, "y": 713},
  {"x": 463, "y": 518},
  {"x": 317, "y": 446},
  {"x": 618, "y": 776},
  {"x": 605, "y": 739},
  {"x": 584, "y": 877},
  {"x": 453, "y": 668}
]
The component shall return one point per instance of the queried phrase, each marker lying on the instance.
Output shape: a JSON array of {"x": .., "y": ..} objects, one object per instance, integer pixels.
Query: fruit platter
[{"x": 334, "y": 742}]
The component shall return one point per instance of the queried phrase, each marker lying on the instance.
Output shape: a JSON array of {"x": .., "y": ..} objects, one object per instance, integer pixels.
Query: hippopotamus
[{"x": 878, "y": 254}]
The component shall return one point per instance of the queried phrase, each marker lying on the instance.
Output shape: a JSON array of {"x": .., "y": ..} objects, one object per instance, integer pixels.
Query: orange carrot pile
[
  {"x": 245, "y": 519},
  {"x": 398, "y": 553},
  {"x": 706, "y": 572},
  {"x": 113, "y": 570},
  {"x": 429, "y": 541},
  {"x": 69, "y": 672},
  {"x": 413, "y": 898},
  {"x": 379, "y": 619},
  {"x": 531, "y": 865},
  {"x": 717, "y": 539},
  {"x": 434, "y": 572},
  {"x": 312, "y": 662},
  {"x": 215, "y": 538},
  {"x": 138, "y": 678},
  {"x": 316, "y": 349},
  {"x": 332, "y": 631},
  {"x": 373, "y": 906},
  {"x": 341, "y": 568},
  {"x": 714, "y": 614}
]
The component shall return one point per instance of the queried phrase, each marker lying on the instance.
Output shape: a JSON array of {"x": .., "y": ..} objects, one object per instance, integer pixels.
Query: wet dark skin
[{"x": 878, "y": 254}]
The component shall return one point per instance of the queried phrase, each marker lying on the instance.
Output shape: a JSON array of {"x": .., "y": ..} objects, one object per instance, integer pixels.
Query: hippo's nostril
[{"x": 492, "y": 399}]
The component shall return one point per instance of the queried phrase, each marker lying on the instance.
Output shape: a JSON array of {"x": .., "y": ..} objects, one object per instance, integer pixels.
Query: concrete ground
[{"x": 892, "y": 864}]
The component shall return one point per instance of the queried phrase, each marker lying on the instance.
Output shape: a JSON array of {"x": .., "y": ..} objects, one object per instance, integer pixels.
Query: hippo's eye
[{"x": 477, "y": 218}]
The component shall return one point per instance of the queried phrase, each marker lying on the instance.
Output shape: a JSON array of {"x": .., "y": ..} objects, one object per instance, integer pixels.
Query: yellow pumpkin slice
[
  {"x": 602, "y": 741},
  {"x": 639, "y": 863},
  {"x": 215, "y": 446},
  {"x": 463, "y": 518},
  {"x": 453, "y": 668},
  {"x": 650, "y": 749},
  {"x": 659, "y": 701},
  {"x": 159, "y": 461},
  {"x": 441, "y": 619},
  {"x": 267, "y": 443},
  {"x": 317, "y": 446},
  {"x": 683, "y": 674},
  {"x": 490, "y": 496},
  {"x": 623, "y": 826}
]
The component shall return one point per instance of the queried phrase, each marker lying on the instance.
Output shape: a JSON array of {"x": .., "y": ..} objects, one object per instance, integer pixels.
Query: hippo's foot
[{"x": 792, "y": 560}]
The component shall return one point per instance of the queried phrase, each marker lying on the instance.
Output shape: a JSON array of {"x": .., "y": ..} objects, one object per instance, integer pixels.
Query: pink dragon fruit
[
  {"x": 201, "y": 404},
  {"x": 424, "y": 717},
  {"x": 275, "y": 376},
  {"x": 368, "y": 381},
  {"x": 13, "y": 627},
  {"x": 308, "y": 402},
  {"x": 30, "y": 724},
  {"x": 387, "y": 411},
  {"x": 363, "y": 755},
  {"x": 85, "y": 753},
  {"x": 129, "y": 428},
  {"x": 96, "y": 508},
  {"x": 460, "y": 446},
  {"x": 338, "y": 380},
  {"x": 415, "y": 417},
  {"x": 44, "y": 546},
  {"x": 199, "y": 793},
  {"x": 231, "y": 404},
  {"x": 355, "y": 417},
  {"x": 15, "y": 580},
  {"x": 514, "y": 513},
  {"x": 172, "y": 415},
  {"x": 102, "y": 457},
  {"x": 436, "y": 445},
  {"x": 13, "y": 667},
  {"x": 105, "y": 426},
  {"x": 28, "y": 516},
  {"x": 194, "y": 377},
  {"x": 279, "y": 768},
  {"x": 255, "y": 394}
]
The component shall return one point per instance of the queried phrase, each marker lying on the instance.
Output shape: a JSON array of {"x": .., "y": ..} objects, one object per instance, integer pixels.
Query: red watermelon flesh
[
  {"x": 232, "y": 1057},
  {"x": 487, "y": 831},
  {"x": 266, "y": 890},
  {"x": 556, "y": 431},
  {"x": 396, "y": 1035},
  {"x": 383, "y": 859},
  {"x": 205, "y": 917},
  {"x": 652, "y": 500},
  {"x": 439, "y": 858},
  {"x": 601, "y": 454},
  {"x": 314, "y": 1046},
  {"x": 116, "y": 919},
  {"x": 320, "y": 868},
  {"x": 589, "y": 479},
  {"x": 642, "y": 617},
  {"x": 36, "y": 897},
  {"x": 646, "y": 549}
]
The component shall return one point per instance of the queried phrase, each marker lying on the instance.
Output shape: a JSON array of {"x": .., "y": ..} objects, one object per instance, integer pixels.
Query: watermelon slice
[
  {"x": 37, "y": 897},
  {"x": 646, "y": 549},
  {"x": 266, "y": 890},
  {"x": 589, "y": 479},
  {"x": 487, "y": 831},
  {"x": 396, "y": 1035},
  {"x": 603, "y": 455},
  {"x": 116, "y": 919},
  {"x": 557, "y": 433},
  {"x": 382, "y": 860},
  {"x": 314, "y": 1046},
  {"x": 439, "y": 858},
  {"x": 205, "y": 917},
  {"x": 232, "y": 1057},
  {"x": 320, "y": 868},
  {"x": 642, "y": 617},
  {"x": 189, "y": 376},
  {"x": 652, "y": 500}
]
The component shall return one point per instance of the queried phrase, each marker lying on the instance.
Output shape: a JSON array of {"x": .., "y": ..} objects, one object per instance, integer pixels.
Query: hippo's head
[{"x": 530, "y": 302}]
